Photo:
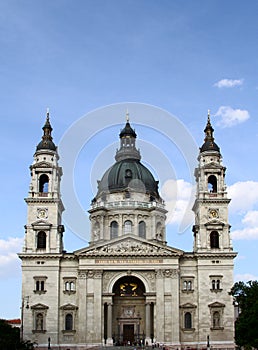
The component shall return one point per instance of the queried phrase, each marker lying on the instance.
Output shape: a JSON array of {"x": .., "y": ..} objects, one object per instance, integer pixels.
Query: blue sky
[{"x": 75, "y": 57}]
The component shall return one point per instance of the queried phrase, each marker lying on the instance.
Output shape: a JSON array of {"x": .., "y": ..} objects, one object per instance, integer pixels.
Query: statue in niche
[{"x": 96, "y": 232}]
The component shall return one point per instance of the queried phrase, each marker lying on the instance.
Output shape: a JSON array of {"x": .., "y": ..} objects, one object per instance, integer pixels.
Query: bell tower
[
  {"x": 211, "y": 229},
  {"x": 44, "y": 229}
]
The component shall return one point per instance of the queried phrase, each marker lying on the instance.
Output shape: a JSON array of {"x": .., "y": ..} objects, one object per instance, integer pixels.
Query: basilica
[{"x": 127, "y": 286}]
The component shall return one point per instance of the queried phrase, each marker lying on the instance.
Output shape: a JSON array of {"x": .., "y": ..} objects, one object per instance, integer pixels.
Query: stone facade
[{"x": 128, "y": 285}]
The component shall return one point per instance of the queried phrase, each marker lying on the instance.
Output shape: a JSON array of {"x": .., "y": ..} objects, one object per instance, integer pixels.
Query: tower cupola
[
  {"x": 47, "y": 141},
  {"x": 209, "y": 144}
]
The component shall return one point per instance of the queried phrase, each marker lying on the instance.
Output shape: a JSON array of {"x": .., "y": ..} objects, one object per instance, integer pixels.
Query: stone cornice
[
  {"x": 43, "y": 200},
  {"x": 41, "y": 256},
  {"x": 209, "y": 255},
  {"x": 212, "y": 200}
]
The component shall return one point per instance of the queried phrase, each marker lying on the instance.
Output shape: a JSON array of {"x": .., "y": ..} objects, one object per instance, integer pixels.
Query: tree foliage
[
  {"x": 10, "y": 338},
  {"x": 246, "y": 298}
]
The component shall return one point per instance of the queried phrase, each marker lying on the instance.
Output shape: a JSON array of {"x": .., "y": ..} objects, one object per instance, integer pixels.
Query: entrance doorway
[{"x": 128, "y": 333}]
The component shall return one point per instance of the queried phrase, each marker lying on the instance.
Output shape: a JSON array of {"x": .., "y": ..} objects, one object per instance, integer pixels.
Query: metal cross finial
[
  {"x": 127, "y": 115},
  {"x": 47, "y": 112},
  {"x": 209, "y": 113}
]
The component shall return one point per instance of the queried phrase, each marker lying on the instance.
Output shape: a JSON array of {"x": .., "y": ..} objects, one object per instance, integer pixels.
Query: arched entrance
[{"x": 129, "y": 311}]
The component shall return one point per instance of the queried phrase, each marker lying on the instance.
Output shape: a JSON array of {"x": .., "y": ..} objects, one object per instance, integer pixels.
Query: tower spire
[{"x": 127, "y": 115}]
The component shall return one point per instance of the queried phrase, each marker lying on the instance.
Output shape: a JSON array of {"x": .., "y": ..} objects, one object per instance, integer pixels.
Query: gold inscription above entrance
[{"x": 129, "y": 261}]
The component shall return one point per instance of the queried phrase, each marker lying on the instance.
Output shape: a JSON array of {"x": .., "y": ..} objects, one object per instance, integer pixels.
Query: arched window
[
  {"x": 128, "y": 173},
  {"x": 41, "y": 240},
  {"x": 127, "y": 227},
  {"x": 43, "y": 183},
  {"x": 114, "y": 229},
  {"x": 69, "y": 286},
  {"x": 40, "y": 285},
  {"x": 216, "y": 319},
  {"x": 214, "y": 239},
  {"x": 212, "y": 184},
  {"x": 218, "y": 284},
  {"x": 142, "y": 229},
  {"x": 72, "y": 286},
  {"x": 37, "y": 285},
  {"x": 68, "y": 322},
  {"x": 188, "y": 320},
  {"x": 39, "y": 322},
  {"x": 189, "y": 285},
  {"x": 213, "y": 284}
]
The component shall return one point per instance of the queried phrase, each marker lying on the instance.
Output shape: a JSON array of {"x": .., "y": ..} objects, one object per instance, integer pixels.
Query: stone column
[
  {"x": 147, "y": 322},
  {"x": 160, "y": 316},
  {"x": 109, "y": 324},
  {"x": 120, "y": 225},
  {"x": 98, "y": 320},
  {"x": 82, "y": 314}
]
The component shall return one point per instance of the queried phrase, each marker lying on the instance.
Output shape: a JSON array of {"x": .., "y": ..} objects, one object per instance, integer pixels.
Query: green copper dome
[{"x": 128, "y": 174}]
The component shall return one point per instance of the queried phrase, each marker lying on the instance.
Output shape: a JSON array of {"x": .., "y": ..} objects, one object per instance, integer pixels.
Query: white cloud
[
  {"x": 178, "y": 196},
  {"x": 245, "y": 277},
  {"x": 250, "y": 231},
  {"x": 251, "y": 218},
  {"x": 247, "y": 233},
  {"x": 229, "y": 83},
  {"x": 230, "y": 117},
  {"x": 244, "y": 196},
  {"x": 9, "y": 260},
  {"x": 244, "y": 201}
]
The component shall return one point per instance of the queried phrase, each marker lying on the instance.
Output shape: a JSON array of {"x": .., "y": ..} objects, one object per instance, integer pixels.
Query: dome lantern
[{"x": 127, "y": 143}]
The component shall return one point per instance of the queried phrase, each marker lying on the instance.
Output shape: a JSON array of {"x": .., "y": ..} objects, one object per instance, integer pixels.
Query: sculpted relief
[{"x": 129, "y": 247}]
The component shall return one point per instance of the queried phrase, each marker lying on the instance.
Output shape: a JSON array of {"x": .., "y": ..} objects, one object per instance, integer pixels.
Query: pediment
[
  {"x": 129, "y": 246},
  {"x": 40, "y": 224},
  {"x": 188, "y": 306},
  {"x": 68, "y": 307},
  {"x": 216, "y": 304},
  {"x": 215, "y": 222},
  {"x": 39, "y": 306},
  {"x": 213, "y": 165},
  {"x": 42, "y": 164}
]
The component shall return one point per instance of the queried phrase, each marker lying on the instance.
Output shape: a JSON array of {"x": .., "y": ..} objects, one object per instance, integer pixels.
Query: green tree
[
  {"x": 10, "y": 338},
  {"x": 246, "y": 297}
]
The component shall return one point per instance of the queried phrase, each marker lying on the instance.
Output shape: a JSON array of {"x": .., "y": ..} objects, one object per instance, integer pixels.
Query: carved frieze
[
  {"x": 167, "y": 273},
  {"x": 83, "y": 274},
  {"x": 107, "y": 276},
  {"x": 150, "y": 277}
]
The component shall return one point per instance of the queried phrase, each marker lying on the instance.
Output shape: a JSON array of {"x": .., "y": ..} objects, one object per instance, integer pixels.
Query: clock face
[
  {"x": 42, "y": 213},
  {"x": 214, "y": 213}
]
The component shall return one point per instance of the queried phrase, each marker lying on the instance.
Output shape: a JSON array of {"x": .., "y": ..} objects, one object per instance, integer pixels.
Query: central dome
[{"x": 128, "y": 173}]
